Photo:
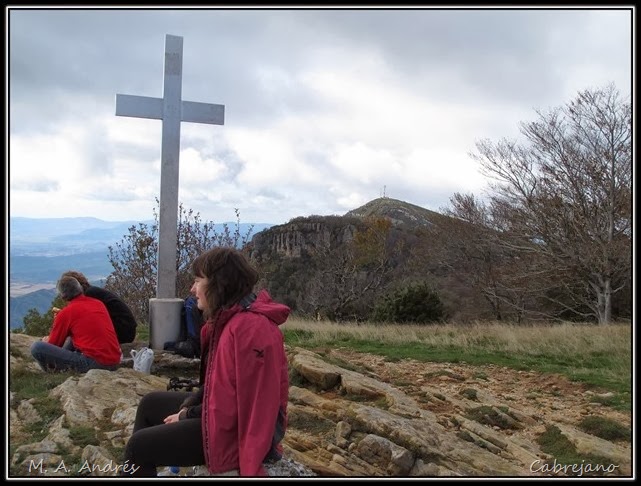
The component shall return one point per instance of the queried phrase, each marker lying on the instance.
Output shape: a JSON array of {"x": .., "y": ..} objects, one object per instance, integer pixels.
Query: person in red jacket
[
  {"x": 237, "y": 419},
  {"x": 92, "y": 342},
  {"x": 121, "y": 315}
]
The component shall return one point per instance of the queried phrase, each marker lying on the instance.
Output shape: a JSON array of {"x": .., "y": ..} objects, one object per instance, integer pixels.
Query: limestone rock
[{"x": 342, "y": 423}]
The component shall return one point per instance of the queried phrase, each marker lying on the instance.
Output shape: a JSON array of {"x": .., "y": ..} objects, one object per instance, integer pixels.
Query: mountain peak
[{"x": 399, "y": 212}]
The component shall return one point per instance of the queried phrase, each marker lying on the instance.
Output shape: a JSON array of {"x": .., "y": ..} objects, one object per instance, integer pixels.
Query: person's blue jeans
[{"x": 54, "y": 358}]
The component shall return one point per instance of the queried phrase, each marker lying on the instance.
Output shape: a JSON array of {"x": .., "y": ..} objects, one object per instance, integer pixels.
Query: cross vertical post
[
  {"x": 172, "y": 110},
  {"x": 169, "y": 157}
]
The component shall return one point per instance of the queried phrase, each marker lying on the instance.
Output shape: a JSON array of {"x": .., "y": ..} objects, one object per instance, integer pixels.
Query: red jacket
[
  {"x": 245, "y": 385},
  {"x": 88, "y": 323}
]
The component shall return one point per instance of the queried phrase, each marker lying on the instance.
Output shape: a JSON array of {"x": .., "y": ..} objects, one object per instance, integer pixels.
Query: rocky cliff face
[
  {"x": 348, "y": 414},
  {"x": 298, "y": 259},
  {"x": 304, "y": 236}
]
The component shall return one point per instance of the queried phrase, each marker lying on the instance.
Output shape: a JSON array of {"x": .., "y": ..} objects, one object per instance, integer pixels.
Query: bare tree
[
  {"x": 134, "y": 258},
  {"x": 483, "y": 255},
  {"x": 565, "y": 197},
  {"x": 466, "y": 246}
]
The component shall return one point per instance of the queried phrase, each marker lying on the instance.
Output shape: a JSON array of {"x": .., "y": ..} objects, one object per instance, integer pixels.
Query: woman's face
[{"x": 198, "y": 289}]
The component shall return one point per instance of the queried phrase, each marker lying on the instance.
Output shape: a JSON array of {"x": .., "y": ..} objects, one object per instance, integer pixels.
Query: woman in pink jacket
[{"x": 236, "y": 420}]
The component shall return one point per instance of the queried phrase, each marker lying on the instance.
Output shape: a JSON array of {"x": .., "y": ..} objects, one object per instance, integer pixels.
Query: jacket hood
[
  {"x": 263, "y": 305},
  {"x": 274, "y": 311}
]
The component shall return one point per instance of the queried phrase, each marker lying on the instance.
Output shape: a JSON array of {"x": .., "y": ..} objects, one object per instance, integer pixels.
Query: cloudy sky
[{"x": 324, "y": 109}]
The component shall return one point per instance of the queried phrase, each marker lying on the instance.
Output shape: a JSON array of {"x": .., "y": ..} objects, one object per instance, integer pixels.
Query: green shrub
[
  {"x": 470, "y": 393},
  {"x": 36, "y": 324},
  {"x": 605, "y": 428},
  {"x": 416, "y": 303}
]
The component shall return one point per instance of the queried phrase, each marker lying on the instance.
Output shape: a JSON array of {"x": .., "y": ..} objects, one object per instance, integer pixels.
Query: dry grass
[
  {"x": 599, "y": 356},
  {"x": 558, "y": 339}
]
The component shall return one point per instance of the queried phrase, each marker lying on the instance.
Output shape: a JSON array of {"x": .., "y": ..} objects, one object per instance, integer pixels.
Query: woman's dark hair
[{"x": 229, "y": 276}]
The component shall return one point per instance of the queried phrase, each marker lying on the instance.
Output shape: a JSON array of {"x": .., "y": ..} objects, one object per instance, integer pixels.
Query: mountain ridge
[{"x": 86, "y": 250}]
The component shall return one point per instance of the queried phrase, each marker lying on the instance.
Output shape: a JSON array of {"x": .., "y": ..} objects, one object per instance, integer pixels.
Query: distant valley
[{"x": 40, "y": 249}]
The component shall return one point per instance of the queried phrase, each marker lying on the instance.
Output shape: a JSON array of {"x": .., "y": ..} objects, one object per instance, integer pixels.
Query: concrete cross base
[{"x": 164, "y": 321}]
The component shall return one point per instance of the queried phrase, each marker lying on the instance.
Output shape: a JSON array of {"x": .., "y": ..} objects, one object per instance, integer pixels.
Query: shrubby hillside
[{"x": 19, "y": 306}]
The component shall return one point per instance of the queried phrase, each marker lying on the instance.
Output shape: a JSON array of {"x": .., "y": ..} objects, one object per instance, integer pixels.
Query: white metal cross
[{"x": 172, "y": 110}]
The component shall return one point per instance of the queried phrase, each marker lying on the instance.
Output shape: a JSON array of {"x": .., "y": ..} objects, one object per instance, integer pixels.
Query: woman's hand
[
  {"x": 174, "y": 417},
  {"x": 170, "y": 419}
]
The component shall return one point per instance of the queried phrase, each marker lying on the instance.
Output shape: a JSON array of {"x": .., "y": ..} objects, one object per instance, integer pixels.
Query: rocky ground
[
  {"x": 354, "y": 414},
  {"x": 549, "y": 398},
  {"x": 457, "y": 420}
]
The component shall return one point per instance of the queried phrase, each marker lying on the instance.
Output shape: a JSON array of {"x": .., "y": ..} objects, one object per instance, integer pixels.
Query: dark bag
[
  {"x": 279, "y": 432},
  {"x": 191, "y": 321},
  {"x": 187, "y": 384}
]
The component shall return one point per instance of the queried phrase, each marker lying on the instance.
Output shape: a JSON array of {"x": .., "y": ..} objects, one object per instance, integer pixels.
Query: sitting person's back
[
  {"x": 122, "y": 317},
  {"x": 82, "y": 336},
  {"x": 87, "y": 322}
]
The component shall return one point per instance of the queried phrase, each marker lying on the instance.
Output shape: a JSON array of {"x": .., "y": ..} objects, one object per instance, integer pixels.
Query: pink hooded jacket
[{"x": 246, "y": 384}]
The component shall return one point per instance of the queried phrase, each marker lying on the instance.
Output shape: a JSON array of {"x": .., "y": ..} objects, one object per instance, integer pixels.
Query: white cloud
[
  {"x": 197, "y": 170},
  {"x": 363, "y": 164},
  {"x": 48, "y": 156}
]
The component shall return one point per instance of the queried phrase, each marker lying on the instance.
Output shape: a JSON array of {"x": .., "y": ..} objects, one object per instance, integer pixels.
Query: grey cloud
[
  {"x": 488, "y": 54},
  {"x": 90, "y": 51},
  {"x": 271, "y": 194},
  {"x": 36, "y": 185},
  {"x": 498, "y": 53},
  {"x": 434, "y": 198},
  {"x": 97, "y": 152},
  {"x": 143, "y": 154},
  {"x": 112, "y": 193}
]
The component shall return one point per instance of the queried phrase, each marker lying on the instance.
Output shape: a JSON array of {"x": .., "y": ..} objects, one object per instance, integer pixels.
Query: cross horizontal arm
[
  {"x": 146, "y": 107},
  {"x": 203, "y": 113},
  {"x": 139, "y": 106}
]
